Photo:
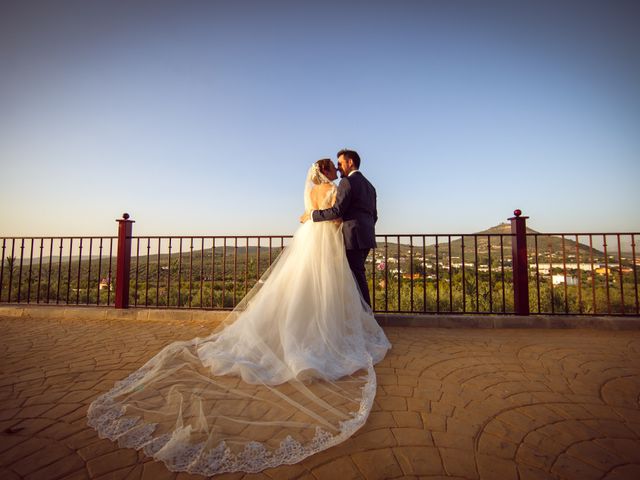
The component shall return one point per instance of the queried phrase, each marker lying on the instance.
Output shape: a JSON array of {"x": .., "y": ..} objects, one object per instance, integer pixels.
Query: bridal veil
[{"x": 289, "y": 373}]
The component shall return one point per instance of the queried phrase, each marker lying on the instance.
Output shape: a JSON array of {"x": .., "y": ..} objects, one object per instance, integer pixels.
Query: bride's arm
[{"x": 332, "y": 202}]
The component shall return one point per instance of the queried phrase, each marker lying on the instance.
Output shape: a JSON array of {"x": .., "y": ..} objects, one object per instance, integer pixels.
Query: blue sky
[{"x": 203, "y": 117}]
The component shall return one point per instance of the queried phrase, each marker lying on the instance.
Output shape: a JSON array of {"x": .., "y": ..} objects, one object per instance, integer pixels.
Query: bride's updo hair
[{"x": 320, "y": 167}]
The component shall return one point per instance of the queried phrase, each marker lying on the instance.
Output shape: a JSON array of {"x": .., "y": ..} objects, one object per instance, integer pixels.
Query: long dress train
[{"x": 288, "y": 374}]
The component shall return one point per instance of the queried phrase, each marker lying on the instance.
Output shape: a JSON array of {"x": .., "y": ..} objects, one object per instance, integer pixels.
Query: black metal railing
[
  {"x": 216, "y": 272},
  {"x": 199, "y": 271},
  {"x": 57, "y": 270},
  {"x": 579, "y": 273},
  {"x": 564, "y": 273},
  {"x": 442, "y": 273}
]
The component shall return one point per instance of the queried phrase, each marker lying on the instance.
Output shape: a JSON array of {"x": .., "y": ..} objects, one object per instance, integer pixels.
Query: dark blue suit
[{"x": 356, "y": 206}]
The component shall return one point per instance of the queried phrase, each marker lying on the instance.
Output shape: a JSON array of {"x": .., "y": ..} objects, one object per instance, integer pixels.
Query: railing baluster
[
  {"x": 50, "y": 264},
  {"x": 635, "y": 275},
  {"x": 386, "y": 274},
  {"x": 213, "y": 271},
  {"x": 437, "y": 277},
  {"x": 579, "y": 274},
  {"x": 158, "y": 268},
  {"x": 135, "y": 296},
  {"x": 535, "y": 237},
  {"x": 20, "y": 270},
  {"x": 374, "y": 267},
  {"x": 606, "y": 271},
  {"x": 450, "y": 276},
  {"x": 79, "y": 269},
  {"x": 622, "y": 309},
  {"x": 258, "y": 258},
  {"x": 235, "y": 269},
  {"x": 59, "y": 273},
  {"x": 110, "y": 271},
  {"x": 477, "y": 286},
  {"x": 30, "y": 266},
  {"x": 553, "y": 303},
  {"x": 4, "y": 243},
  {"x": 146, "y": 278},
  {"x": 69, "y": 269},
  {"x": 490, "y": 273},
  {"x": 39, "y": 272},
  {"x": 246, "y": 264},
  {"x": 593, "y": 275},
  {"x": 464, "y": 286},
  {"x": 411, "y": 270},
  {"x": 224, "y": 268},
  {"x": 564, "y": 270},
  {"x": 504, "y": 295},
  {"x": 190, "y": 269},
  {"x": 168, "y": 273},
  {"x": 100, "y": 272},
  {"x": 399, "y": 275},
  {"x": 201, "y": 270},
  {"x": 424, "y": 274},
  {"x": 12, "y": 266},
  {"x": 89, "y": 269},
  {"x": 180, "y": 274}
]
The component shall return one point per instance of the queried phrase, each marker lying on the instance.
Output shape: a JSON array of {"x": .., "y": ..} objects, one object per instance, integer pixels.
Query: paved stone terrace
[{"x": 451, "y": 403}]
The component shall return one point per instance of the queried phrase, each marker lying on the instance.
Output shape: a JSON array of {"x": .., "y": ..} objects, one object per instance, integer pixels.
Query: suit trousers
[{"x": 356, "y": 259}]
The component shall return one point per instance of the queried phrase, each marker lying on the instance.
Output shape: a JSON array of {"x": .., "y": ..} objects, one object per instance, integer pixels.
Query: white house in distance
[
  {"x": 558, "y": 279},
  {"x": 545, "y": 268}
]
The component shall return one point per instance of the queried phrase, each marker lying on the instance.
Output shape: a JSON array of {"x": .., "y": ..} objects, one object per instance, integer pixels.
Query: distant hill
[{"x": 546, "y": 244}]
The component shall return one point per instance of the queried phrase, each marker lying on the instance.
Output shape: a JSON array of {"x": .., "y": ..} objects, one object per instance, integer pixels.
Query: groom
[{"x": 356, "y": 206}]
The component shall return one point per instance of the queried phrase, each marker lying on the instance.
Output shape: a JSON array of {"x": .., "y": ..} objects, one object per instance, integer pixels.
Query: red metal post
[
  {"x": 520, "y": 266},
  {"x": 123, "y": 262}
]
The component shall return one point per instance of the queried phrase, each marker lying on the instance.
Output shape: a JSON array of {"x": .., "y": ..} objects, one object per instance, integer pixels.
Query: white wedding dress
[{"x": 290, "y": 373}]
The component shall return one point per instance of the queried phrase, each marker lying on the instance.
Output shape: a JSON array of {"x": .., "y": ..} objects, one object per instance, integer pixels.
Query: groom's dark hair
[{"x": 350, "y": 155}]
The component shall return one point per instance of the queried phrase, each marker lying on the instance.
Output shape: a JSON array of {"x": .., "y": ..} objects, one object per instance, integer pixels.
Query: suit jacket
[{"x": 356, "y": 206}]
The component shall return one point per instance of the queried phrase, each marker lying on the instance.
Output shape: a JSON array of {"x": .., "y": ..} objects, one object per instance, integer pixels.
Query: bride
[{"x": 288, "y": 374}]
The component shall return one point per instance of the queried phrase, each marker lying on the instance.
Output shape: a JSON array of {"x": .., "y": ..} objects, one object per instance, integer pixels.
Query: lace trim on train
[{"x": 109, "y": 420}]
